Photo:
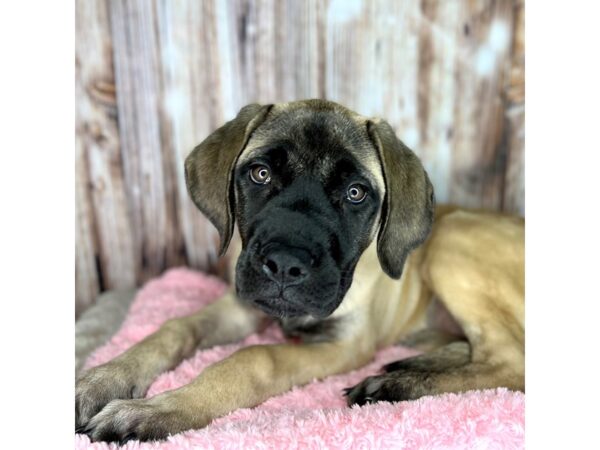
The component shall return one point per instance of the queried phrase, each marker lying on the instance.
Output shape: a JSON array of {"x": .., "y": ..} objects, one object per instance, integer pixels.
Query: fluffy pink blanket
[{"x": 316, "y": 415}]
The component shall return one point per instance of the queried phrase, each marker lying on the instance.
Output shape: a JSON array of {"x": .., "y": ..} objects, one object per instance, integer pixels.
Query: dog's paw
[
  {"x": 391, "y": 387},
  {"x": 139, "y": 419},
  {"x": 100, "y": 385},
  {"x": 367, "y": 391}
]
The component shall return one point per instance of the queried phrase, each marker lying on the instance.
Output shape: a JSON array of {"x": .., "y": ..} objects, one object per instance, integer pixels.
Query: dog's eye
[
  {"x": 356, "y": 193},
  {"x": 260, "y": 174}
]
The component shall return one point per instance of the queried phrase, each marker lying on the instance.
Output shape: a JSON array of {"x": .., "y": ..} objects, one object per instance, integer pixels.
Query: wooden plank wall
[{"x": 155, "y": 77}]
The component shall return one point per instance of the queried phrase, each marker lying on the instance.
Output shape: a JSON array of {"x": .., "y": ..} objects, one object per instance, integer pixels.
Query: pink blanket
[{"x": 316, "y": 415}]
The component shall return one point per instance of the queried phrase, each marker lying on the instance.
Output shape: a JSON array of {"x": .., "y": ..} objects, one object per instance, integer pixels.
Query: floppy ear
[
  {"x": 209, "y": 169},
  {"x": 408, "y": 207}
]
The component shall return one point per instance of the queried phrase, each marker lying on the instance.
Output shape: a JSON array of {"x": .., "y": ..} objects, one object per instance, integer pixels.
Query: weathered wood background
[{"x": 155, "y": 77}]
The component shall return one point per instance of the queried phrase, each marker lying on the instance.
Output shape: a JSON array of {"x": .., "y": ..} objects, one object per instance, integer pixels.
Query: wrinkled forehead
[{"x": 317, "y": 141}]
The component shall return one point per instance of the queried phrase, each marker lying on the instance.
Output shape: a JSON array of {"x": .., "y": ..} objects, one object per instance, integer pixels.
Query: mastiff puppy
[{"x": 333, "y": 212}]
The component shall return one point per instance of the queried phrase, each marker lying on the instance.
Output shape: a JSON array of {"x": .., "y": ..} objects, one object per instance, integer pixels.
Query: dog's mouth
[
  {"x": 317, "y": 295},
  {"x": 280, "y": 307}
]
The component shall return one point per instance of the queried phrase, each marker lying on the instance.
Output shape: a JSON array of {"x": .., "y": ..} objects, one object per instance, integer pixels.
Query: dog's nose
[{"x": 285, "y": 267}]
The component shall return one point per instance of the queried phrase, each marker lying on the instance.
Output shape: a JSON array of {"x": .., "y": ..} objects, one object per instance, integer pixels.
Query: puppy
[{"x": 333, "y": 212}]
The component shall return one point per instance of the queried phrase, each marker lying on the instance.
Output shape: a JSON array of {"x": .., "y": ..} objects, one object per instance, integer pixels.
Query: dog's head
[{"x": 310, "y": 185}]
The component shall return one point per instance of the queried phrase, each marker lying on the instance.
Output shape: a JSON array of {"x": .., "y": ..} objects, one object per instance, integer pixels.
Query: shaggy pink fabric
[{"x": 316, "y": 415}]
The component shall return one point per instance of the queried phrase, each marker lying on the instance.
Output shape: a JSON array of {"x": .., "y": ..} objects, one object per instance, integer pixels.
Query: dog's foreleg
[
  {"x": 428, "y": 340},
  {"x": 130, "y": 374},
  {"x": 449, "y": 369},
  {"x": 245, "y": 379},
  {"x": 474, "y": 265}
]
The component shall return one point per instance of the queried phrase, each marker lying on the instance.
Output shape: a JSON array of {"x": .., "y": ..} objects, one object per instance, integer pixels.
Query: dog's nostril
[
  {"x": 272, "y": 266},
  {"x": 295, "y": 272},
  {"x": 284, "y": 267}
]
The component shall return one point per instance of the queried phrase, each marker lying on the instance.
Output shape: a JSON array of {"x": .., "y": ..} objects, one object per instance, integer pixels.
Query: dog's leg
[
  {"x": 428, "y": 340},
  {"x": 455, "y": 354},
  {"x": 483, "y": 290},
  {"x": 130, "y": 374},
  {"x": 496, "y": 360},
  {"x": 248, "y": 377},
  {"x": 448, "y": 369},
  {"x": 410, "y": 378},
  {"x": 492, "y": 358}
]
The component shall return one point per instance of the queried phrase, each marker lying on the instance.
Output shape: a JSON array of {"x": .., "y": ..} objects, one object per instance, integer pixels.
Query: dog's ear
[
  {"x": 209, "y": 169},
  {"x": 408, "y": 206}
]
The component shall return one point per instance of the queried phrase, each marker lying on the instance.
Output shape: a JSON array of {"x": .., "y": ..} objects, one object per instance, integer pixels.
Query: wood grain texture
[
  {"x": 514, "y": 184},
  {"x": 514, "y": 117},
  {"x": 479, "y": 157},
  {"x": 150, "y": 188},
  {"x": 448, "y": 75},
  {"x": 191, "y": 107},
  {"x": 104, "y": 251}
]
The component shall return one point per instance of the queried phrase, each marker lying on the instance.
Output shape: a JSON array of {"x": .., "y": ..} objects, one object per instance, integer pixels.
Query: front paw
[
  {"x": 99, "y": 386},
  {"x": 392, "y": 387},
  {"x": 142, "y": 419},
  {"x": 367, "y": 391}
]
